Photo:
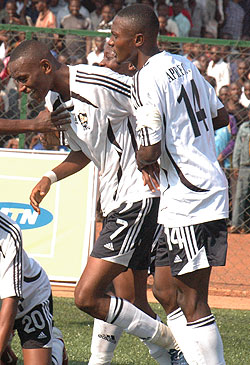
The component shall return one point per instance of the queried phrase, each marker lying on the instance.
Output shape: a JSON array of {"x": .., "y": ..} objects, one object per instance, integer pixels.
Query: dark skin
[{"x": 138, "y": 47}]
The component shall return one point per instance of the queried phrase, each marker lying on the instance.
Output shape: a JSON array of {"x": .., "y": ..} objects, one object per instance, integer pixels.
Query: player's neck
[
  {"x": 143, "y": 57},
  {"x": 61, "y": 82}
]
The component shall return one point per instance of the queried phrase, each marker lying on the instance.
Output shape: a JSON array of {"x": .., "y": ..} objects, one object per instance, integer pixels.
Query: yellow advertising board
[{"x": 61, "y": 237}]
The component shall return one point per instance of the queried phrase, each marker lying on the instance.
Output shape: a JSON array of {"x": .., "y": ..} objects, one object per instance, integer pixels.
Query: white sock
[
  {"x": 137, "y": 323},
  {"x": 178, "y": 324},
  {"x": 105, "y": 338},
  {"x": 160, "y": 354},
  {"x": 57, "y": 346},
  {"x": 206, "y": 335}
]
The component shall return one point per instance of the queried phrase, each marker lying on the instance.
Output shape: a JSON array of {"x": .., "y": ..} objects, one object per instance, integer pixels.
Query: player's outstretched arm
[
  {"x": 45, "y": 122},
  {"x": 74, "y": 162},
  {"x": 7, "y": 318}
]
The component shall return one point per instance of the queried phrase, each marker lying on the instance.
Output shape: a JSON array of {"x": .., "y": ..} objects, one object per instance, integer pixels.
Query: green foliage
[{"x": 77, "y": 329}]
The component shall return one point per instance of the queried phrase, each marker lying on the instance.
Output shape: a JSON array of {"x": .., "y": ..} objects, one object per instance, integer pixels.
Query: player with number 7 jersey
[{"x": 193, "y": 186}]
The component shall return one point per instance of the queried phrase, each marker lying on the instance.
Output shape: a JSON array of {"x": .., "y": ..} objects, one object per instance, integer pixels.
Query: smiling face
[
  {"x": 32, "y": 77},
  {"x": 123, "y": 41}
]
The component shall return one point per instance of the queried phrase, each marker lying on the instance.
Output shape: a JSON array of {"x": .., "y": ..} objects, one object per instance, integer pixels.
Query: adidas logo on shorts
[
  {"x": 177, "y": 259},
  {"x": 109, "y": 246},
  {"x": 41, "y": 336}
]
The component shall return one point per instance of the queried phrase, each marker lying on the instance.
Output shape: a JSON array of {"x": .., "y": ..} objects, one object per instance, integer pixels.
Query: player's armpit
[{"x": 221, "y": 120}]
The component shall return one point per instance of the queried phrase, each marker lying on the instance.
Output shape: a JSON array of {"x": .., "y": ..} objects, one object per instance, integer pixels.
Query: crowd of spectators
[{"x": 226, "y": 68}]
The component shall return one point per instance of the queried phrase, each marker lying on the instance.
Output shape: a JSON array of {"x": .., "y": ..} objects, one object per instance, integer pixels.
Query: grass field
[{"x": 77, "y": 329}]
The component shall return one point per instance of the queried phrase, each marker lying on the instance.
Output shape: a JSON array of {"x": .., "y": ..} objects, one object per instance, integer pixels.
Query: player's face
[
  {"x": 31, "y": 78},
  {"x": 109, "y": 60},
  {"x": 123, "y": 41}
]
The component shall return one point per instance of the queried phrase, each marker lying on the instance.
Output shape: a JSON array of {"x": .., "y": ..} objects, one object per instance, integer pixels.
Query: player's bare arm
[
  {"x": 146, "y": 158},
  {"x": 7, "y": 318},
  {"x": 74, "y": 162},
  {"x": 45, "y": 122},
  {"x": 221, "y": 120}
]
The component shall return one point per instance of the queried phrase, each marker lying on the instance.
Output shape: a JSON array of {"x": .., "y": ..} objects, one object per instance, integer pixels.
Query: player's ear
[
  {"x": 139, "y": 39},
  {"x": 46, "y": 66}
]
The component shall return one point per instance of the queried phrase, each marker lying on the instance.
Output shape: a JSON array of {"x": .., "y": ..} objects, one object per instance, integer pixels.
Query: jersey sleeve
[
  {"x": 102, "y": 88},
  {"x": 11, "y": 274},
  {"x": 145, "y": 98}
]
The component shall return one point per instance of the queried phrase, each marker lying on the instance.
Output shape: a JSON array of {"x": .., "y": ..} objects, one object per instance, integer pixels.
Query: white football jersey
[
  {"x": 20, "y": 276},
  {"x": 193, "y": 186},
  {"x": 104, "y": 129}
]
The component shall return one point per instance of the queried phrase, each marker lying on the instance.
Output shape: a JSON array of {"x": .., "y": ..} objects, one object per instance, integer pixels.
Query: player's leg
[
  {"x": 192, "y": 252},
  {"x": 165, "y": 291},
  {"x": 35, "y": 330},
  {"x": 115, "y": 254},
  {"x": 37, "y": 356}
]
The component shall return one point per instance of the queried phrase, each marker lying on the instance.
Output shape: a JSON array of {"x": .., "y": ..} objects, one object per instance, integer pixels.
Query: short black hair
[
  {"x": 31, "y": 49},
  {"x": 142, "y": 18}
]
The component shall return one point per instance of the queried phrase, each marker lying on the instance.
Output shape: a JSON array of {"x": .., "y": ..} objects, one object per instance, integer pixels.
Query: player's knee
[
  {"x": 167, "y": 298},
  {"x": 83, "y": 299}
]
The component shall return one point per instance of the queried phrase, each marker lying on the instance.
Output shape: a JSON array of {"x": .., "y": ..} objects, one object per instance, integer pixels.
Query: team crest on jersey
[{"x": 83, "y": 119}]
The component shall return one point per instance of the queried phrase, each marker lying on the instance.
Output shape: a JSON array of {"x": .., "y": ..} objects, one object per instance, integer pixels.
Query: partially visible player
[
  {"x": 131, "y": 284},
  {"x": 45, "y": 122},
  {"x": 27, "y": 306},
  {"x": 177, "y": 111}
]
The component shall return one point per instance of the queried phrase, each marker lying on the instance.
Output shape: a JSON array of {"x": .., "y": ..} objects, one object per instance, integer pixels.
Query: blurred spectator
[
  {"x": 3, "y": 12},
  {"x": 187, "y": 50},
  {"x": 108, "y": 14},
  {"x": 96, "y": 56},
  {"x": 181, "y": 20},
  {"x": 233, "y": 105},
  {"x": 77, "y": 47},
  {"x": 224, "y": 142},
  {"x": 243, "y": 72},
  {"x": 166, "y": 22},
  {"x": 12, "y": 143},
  {"x": 11, "y": 17},
  {"x": 234, "y": 16},
  {"x": 64, "y": 10},
  {"x": 245, "y": 96},
  {"x": 96, "y": 15},
  {"x": 117, "y": 5},
  {"x": 218, "y": 68},
  {"x": 241, "y": 164},
  {"x": 63, "y": 57},
  {"x": 46, "y": 19},
  {"x": 215, "y": 16},
  {"x": 199, "y": 18},
  {"x": 167, "y": 27},
  {"x": 245, "y": 4}
]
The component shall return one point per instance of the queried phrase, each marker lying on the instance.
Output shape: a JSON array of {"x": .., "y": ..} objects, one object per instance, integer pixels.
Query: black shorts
[
  {"x": 128, "y": 234},
  {"x": 191, "y": 248},
  {"x": 35, "y": 327}
]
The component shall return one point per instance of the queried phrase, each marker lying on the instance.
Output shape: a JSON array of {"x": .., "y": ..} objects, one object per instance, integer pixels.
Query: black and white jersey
[
  {"x": 170, "y": 92},
  {"x": 20, "y": 276},
  {"x": 104, "y": 129}
]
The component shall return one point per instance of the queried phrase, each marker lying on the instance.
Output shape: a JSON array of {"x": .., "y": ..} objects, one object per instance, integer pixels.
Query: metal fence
[{"x": 232, "y": 70}]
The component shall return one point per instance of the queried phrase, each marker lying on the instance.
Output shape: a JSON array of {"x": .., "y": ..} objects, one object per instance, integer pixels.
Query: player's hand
[
  {"x": 150, "y": 175},
  {"x": 47, "y": 121},
  {"x": 39, "y": 192}
]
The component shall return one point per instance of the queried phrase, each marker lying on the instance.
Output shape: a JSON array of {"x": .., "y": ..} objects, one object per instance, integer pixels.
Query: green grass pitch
[{"x": 77, "y": 329}]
